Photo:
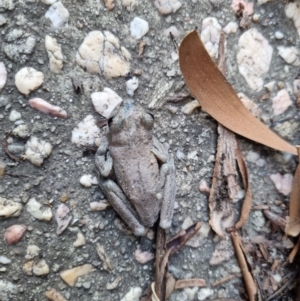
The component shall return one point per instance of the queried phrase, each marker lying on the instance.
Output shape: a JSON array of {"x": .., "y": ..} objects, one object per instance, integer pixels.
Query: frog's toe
[
  {"x": 139, "y": 231},
  {"x": 165, "y": 224}
]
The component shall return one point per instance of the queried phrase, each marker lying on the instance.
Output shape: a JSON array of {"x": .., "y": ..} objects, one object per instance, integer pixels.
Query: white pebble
[
  {"x": 80, "y": 240},
  {"x": 138, "y": 28},
  {"x": 165, "y": 7},
  {"x": 58, "y": 15},
  {"x": 99, "y": 206},
  {"x": 204, "y": 293},
  {"x": 210, "y": 35},
  {"x": 190, "y": 107},
  {"x": 254, "y": 58},
  {"x": 231, "y": 27},
  {"x": 278, "y": 35},
  {"x": 281, "y": 102},
  {"x": 131, "y": 85},
  {"x": 28, "y": 79},
  {"x": 277, "y": 278},
  {"x": 133, "y": 295},
  {"x": 3, "y": 75},
  {"x": 21, "y": 131},
  {"x": 38, "y": 210},
  {"x": 291, "y": 55},
  {"x": 130, "y": 4},
  {"x": 4, "y": 260},
  {"x": 2, "y": 20},
  {"x": 101, "y": 53},
  {"x": 9, "y": 208},
  {"x": 54, "y": 54},
  {"x": 37, "y": 150},
  {"x": 86, "y": 133},
  {"x": 88, "y": 180},
  {"x": 292, "y": 11},
  {"x": 105, "y": 102},
  {"x": 14, "y": 115}
]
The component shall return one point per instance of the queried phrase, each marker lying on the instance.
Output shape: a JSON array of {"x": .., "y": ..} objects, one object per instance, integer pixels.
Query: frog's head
[{"x": 130, "y": 116}]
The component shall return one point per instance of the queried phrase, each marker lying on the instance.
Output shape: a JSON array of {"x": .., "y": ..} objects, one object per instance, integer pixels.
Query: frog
[{"x": 135, "y": 170}]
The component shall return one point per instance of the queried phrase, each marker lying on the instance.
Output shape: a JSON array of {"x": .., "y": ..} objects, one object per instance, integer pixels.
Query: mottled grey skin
[{"x": 136, "y": 174}]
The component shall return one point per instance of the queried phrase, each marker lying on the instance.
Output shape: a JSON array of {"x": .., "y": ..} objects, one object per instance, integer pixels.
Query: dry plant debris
[
  {"x": 245, "y": 266},
  {"x": 217, "y": 97}
]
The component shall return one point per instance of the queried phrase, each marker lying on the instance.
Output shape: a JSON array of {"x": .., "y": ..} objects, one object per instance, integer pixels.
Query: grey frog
[{"x": 137, "y": 175}]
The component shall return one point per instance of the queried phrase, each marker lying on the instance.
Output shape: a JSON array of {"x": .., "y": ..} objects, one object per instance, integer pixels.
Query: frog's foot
[
  {"x": 168, "y": 182},
  {"x": 160, "y": 150},
  {"x": 103, "y": 160},
  {"x": 119, "y": 202}
]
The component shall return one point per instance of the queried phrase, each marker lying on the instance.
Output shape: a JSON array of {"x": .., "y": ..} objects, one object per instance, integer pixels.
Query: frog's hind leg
[
  {"x": 168, "y": 182},
  {"x": 119, "y": 202}
]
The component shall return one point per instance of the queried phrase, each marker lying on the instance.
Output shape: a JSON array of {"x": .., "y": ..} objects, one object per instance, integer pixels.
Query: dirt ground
[{"x": 192, "y": 140}]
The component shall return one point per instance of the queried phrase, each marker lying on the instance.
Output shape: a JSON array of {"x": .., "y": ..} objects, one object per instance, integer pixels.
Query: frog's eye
[{"x": 148, "y": 121}]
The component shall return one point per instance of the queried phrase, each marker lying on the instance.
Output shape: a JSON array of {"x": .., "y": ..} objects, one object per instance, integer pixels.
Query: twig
[{"x": 223, "y": 280}]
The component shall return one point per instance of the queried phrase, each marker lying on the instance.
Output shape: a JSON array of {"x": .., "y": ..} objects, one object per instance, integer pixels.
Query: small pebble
[
  {"x": 9, "y": 208},
  {"x": 3, "y": 73},
  {"x": 80, "y": 240},
  {"x": 14, "y": 233},
  {"x": 58, "y": 15},
  {"x": 133, "y": 295},
  {"x": 138, "y": 28},
  {"x": 28, "y": 79},
  {"x": 38, "y": 210},
  {"x": 86, "y": 133},
  {"x": 4, "y": 260},
  {"x": 278, "y": 35},
  {"x": 70, "y": 276},
  {"x": 88, "y": 180},
  {"x": 105, "y": 102},
  {"x": 14, "y": 115}
]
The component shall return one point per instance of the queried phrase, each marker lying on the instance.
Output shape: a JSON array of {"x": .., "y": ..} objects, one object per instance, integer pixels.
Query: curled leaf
[
  {"x": 244, "y": 266},
  {"x": 217, "y": 97},
  {"x": 293, "y": 226},
  {"x": 247, "y": 203}
]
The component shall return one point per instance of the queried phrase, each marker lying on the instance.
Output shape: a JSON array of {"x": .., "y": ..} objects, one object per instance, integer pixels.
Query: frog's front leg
[
  {"x": 113, "y": 193},
  {"x": 167, "y": 183},
  {"x": 103, "y": 160}
]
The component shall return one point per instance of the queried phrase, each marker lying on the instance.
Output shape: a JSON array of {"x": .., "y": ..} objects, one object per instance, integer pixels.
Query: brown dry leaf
[
  {"x": 247, "y": 203},
  {"x": 293, "y": 225},
  {"x": 244, "y": 266},
  {"x": 218, "y": 98},
  {"x": 170, "y": 284},
  {"x": 190, "y": 282},
  {"x": 179, "y": 240},
  {"x": 104, "y": 258}
]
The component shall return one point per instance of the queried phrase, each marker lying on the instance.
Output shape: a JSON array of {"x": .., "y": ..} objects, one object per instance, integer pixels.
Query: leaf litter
[{"x": 217, "y": 98}]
